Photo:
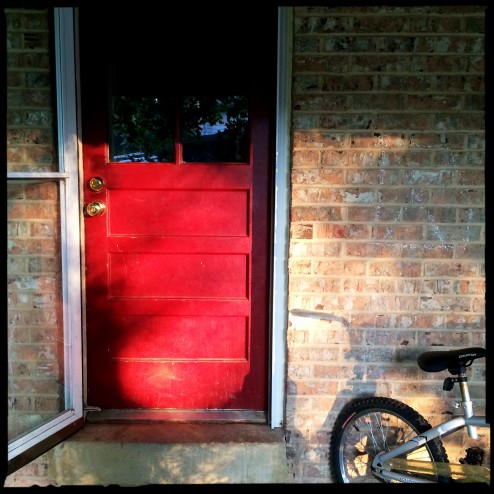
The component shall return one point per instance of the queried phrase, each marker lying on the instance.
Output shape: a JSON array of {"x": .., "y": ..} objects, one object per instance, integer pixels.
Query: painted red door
[{"x": 177, "y": 263}]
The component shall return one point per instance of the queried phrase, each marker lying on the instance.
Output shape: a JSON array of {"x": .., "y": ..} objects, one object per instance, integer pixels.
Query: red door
[{"x": 176, "y": 192}]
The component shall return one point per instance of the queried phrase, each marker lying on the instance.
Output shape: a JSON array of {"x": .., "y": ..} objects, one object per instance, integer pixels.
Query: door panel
[
  {"x": 188, "y": 212},
  {"x": 177, "y": 265},
  {"x": 178, "y": 337},
  {"x": 174, "y": 275}
]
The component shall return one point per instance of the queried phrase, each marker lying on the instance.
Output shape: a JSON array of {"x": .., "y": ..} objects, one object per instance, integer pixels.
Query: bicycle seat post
[{"x": 466, "y": 402}]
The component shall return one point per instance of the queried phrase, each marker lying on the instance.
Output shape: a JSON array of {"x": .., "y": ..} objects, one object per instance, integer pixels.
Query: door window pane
[
  {"x": 31, "y": 111},
  {"x": 215, "y": 129},
  {"x": 142, "y": 113},
  {"x": 145, "y": 115},
  {"x": 142, "y": 129}
]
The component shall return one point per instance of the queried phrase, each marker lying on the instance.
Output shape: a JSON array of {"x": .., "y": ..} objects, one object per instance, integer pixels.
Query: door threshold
[{"x": 166, "y": 415}]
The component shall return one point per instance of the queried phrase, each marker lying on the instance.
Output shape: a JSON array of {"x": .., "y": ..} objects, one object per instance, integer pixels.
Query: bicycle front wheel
[{"x": 368, "y": 426}]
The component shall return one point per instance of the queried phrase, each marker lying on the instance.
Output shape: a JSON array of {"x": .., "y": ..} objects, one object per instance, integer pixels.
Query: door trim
[{"x": 279, "y": 321}]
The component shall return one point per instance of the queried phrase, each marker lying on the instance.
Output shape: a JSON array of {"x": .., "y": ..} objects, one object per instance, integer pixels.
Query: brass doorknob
[{"x": 95, "y": 208}]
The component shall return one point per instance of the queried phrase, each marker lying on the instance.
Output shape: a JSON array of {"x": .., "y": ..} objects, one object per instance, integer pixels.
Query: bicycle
[{"x": 378, "y": 439}]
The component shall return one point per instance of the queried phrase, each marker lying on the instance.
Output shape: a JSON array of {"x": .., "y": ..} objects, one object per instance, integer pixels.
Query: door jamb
[{"x": 281, "y": 219}]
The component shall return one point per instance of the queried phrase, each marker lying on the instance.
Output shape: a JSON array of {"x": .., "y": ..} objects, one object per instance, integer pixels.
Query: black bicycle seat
[{"x": 453, "y": 360}]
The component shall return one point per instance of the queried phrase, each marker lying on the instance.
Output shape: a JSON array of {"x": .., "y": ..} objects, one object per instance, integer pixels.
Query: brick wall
[{"x": 387, "y": 229}]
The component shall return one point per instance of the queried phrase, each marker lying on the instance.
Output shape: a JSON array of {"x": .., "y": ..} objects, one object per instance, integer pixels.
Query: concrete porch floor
[{"x": 140, "y": 454}]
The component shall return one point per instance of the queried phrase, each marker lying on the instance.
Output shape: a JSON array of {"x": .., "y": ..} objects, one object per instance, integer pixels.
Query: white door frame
[{"x": 281, "y": 219}]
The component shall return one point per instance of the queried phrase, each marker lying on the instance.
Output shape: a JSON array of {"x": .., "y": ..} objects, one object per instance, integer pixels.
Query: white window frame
[{"x": 31, "y": 444}]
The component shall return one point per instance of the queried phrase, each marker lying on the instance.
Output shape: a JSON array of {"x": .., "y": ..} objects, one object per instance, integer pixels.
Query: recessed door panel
[{"x": 164, "y": 212}]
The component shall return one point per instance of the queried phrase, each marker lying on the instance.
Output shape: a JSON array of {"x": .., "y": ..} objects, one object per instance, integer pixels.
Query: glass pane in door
[
  {"x": 215, "y": 129},
  {"x": 37, "y": 391}
]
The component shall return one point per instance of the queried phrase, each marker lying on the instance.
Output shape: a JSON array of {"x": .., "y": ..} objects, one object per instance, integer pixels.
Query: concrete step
[{"x": 141, "y": 454}]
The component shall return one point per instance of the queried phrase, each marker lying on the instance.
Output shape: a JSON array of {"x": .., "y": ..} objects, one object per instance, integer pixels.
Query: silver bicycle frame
[{"x": 443, "y": 429}]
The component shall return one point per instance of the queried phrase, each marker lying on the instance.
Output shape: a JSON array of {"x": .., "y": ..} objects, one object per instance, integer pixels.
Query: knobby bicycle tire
[{"x": 367, "y": 426}]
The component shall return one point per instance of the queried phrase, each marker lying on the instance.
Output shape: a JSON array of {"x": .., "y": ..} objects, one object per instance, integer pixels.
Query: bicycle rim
[{"x": 369, "y": 433}]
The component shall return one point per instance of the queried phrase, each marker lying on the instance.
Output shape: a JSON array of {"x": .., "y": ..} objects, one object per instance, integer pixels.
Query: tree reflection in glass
[
  {"x": 143, "y": 129},
  {"x": 214, "y": 129}
]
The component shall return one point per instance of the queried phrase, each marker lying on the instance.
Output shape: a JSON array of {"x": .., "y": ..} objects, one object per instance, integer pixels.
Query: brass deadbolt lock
[{"x": 96, "y": 184}]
